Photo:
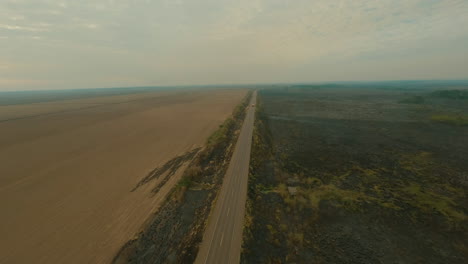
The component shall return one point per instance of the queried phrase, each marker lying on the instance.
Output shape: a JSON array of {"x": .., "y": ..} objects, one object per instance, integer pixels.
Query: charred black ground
[{"x": 346, "y": 174}]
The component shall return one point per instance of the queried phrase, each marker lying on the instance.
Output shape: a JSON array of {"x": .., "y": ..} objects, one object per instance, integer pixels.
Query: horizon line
[{"x": 243, "y": 84}]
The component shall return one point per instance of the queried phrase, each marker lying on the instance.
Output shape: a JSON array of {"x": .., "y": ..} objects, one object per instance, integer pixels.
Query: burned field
[{"x": 345, "y": 174}]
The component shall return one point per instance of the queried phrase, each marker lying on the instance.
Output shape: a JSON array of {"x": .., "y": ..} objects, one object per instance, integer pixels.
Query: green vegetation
[
  {"x": 221, "y": 135},
  {"x": 413, "y": 100},
  {"x": 429, "y": 202},
  {"x": 311, "y": 197},
  {"x": 374, "y": 188},
  {"x": 215, "y": 147},
  {"x": 452, "y": 94},
  {"x": 451, "y": 119}
]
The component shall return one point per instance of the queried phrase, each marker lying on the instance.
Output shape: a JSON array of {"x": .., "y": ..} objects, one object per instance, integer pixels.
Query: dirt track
[{"x": 68, "y": 168}]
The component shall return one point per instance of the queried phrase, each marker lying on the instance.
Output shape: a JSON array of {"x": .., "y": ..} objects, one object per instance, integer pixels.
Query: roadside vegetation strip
[
  {"x": 174, "y": 232},
  {"x": 217, "y": 144},
  {"x": 261, "y": 153},
  {"x": 169, "y": 168}
]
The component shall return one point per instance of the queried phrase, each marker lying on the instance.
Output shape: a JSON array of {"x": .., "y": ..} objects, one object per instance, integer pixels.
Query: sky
[{"x": 58, "y": 44}]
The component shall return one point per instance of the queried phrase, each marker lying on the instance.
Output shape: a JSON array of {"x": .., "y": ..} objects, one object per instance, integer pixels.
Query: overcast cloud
[{"x": 54, "y": 44}]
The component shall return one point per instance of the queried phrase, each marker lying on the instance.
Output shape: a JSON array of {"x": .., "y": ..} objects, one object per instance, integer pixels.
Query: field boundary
[{"x": 174, "y": 232}]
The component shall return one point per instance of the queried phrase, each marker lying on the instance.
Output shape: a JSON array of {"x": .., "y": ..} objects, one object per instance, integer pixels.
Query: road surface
[{"x": 223, "y": 236}]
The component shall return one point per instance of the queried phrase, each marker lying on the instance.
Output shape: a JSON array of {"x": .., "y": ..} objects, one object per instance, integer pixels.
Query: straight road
[{"x": 223, "y": 236}]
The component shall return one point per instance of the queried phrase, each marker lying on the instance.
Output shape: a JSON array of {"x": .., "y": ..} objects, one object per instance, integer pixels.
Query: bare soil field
[{"x": 69, "y": 168}]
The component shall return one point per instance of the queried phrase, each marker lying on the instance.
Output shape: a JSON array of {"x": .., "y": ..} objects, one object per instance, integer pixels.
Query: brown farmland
[{"x": 67, "y": 168}]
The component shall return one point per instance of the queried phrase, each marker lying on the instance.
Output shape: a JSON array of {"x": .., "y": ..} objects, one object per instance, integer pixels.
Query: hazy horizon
[
  {"x": 396, "y": 82},
  {"x": 56, "y": 44}
]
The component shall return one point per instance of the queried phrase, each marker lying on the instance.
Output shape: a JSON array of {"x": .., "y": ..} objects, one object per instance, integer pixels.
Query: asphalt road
[{"x": 223, "y": 236}]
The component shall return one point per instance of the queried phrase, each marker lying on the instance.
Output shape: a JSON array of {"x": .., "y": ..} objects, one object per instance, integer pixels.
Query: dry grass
[{"x": 455, "y": 120}]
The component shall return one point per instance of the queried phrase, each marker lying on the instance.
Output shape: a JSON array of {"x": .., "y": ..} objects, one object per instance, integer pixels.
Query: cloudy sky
[{"x": 54, "y": 44}]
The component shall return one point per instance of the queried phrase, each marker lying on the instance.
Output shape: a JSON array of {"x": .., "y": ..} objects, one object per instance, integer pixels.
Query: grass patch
[
  {"x": 454, "y": 120},
  {"x": 413, "y": 100},
  {"x": 347, "y": 198},
  {"x": 311, "y": 197},
  {"x": 417, "y": 163},
  {"x": 428, "y": 201}
]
